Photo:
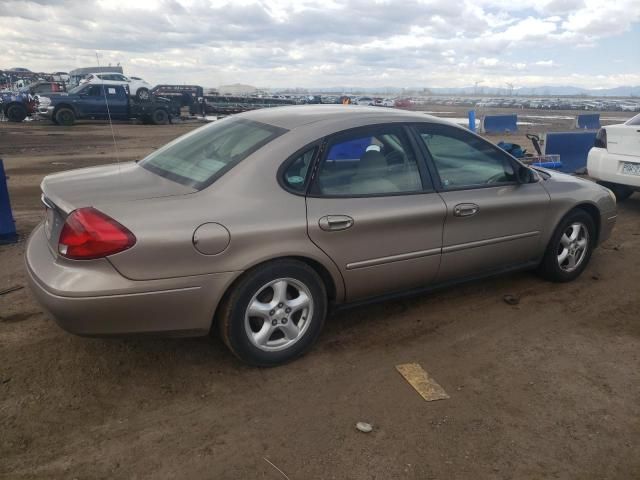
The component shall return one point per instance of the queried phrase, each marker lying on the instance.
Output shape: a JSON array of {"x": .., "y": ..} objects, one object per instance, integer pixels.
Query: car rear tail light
[
  {"x": 601, "y": 139},
  {"x": 88, "y": 233}
]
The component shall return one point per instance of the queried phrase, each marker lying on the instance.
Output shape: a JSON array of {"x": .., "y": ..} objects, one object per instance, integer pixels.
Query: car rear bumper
[
  {"x": 93, "y": 298},
  {"x": 607, "y": 167}
]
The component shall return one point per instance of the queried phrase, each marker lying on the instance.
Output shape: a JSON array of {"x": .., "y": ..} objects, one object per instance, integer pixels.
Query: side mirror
[{"x": 524, "y": 174}]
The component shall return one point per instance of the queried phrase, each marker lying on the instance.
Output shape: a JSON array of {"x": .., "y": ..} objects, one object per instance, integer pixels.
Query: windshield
[
  {"x": 200, "y": 157},
  {"x": 634, "y": 121},
  {"x": 77, "y": 89}
]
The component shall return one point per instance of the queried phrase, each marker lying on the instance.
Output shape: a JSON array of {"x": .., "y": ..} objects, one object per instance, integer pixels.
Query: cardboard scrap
[{"x": 420, "y": 380}]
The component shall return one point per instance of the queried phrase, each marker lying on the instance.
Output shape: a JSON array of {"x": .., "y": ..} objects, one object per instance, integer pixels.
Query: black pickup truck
[{"x": 100, "y": 102}]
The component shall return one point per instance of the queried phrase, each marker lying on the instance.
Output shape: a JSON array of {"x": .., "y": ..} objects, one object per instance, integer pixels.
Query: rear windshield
[
  {"x": 634, "y": 121},
  {"x": 200, "y": 157}
]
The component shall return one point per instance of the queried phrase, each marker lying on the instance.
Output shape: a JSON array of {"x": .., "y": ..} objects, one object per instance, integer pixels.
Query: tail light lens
[
  {"x": 89, "y": 233},
  {"x": 601, "y": 139}
]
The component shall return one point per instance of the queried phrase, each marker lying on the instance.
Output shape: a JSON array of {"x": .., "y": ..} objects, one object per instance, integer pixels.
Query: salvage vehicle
[
  {"x": 136, "y": 86},
  {"x": 17, "y": 106},
  {"x": 43, "y": 88},
  {"x": 101, "y": 102},
  {"x": 259, "y": 224},
  {"x": 614, "y": 160}
]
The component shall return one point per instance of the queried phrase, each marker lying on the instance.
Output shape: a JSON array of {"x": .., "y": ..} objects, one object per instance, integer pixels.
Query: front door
[
  {"x": 373, "y": 210},
  {"x": 493, "y": 222}
]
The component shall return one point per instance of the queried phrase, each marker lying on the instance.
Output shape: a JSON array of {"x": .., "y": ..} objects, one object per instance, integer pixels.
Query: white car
[
  {"x": 365, "y": 101},
  {"x": 137, "y": 86},
  {"x": 614, "y": 161}
]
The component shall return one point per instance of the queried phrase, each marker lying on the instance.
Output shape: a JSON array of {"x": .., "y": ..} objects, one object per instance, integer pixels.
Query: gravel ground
[{"x": 547, "y": 388}]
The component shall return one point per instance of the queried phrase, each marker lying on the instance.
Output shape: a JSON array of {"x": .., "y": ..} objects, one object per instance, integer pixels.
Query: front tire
[
  {"x": 274, "y": 314},
  {"x": 65, "y": 116},
  {"x": 570, "y": 248},
  {"x": 16, "y": 113}
]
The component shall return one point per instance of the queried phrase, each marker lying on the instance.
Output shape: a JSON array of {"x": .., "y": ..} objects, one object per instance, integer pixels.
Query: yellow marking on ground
[{"x": 419, "y": 379}]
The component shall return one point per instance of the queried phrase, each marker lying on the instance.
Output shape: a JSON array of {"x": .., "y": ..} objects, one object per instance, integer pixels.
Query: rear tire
[
  {"x": 143, "y": 94},
  {"x": 274, "y": 314},
  {"x": 556, "y": 266},
  {"x": 622, "y": 192},
  {"x": 160, "y": 117},
  {"x": 65, "y": 116},
  {"x": 16, "y": 113}
]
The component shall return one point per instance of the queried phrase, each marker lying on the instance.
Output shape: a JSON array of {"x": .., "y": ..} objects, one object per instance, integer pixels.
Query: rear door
[
  {"x": 373, "y": 210},
  {"x": 492, "y": 221}
]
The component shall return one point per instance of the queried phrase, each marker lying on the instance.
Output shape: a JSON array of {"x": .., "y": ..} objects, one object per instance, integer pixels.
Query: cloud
[{"x": 311, "y": 43}]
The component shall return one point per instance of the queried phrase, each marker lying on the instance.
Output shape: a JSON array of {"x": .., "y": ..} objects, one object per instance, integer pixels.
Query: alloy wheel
[
  {"x": 279, "y": 314},
  {"x": 573, "y": 247}
]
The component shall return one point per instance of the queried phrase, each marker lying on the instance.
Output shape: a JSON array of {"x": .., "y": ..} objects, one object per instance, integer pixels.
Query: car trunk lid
[
  {"x": 65, "y": 192},
  {"x": 624, "y": 140}
]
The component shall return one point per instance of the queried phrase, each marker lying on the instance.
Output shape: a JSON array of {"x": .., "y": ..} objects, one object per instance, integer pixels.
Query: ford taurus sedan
[{"x": 258, "y": 224}]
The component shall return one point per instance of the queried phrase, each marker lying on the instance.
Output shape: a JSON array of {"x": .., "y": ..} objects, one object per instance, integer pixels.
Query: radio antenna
[{"x": 113, "y": 135}]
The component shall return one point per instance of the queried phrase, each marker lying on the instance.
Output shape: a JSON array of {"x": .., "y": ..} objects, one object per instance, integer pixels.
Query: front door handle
[
  {"x": 335, "y": 222},
  {"x": 465, "y": 209}
]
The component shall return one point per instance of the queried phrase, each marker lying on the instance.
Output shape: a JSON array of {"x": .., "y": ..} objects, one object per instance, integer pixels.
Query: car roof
[{"x": 290, "y": 117}]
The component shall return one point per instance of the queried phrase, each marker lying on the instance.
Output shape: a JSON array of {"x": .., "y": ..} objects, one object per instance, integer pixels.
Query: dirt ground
[{"x": 548, "y": 388}]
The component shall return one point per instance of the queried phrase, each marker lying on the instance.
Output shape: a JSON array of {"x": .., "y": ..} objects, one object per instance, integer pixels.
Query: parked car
[
  {"x": 258, "y": 224},
  {"x": 137, "y": 86},
  {"x": 43, "y": 88},
  {"x": 17, "y": 106},
  {"x": 365, "y": 101},
  {"x": 96, "y": 101},
  {"x": 614, "y": 161}
]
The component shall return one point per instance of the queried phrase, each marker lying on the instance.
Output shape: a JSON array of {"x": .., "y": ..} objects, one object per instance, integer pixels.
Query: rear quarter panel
[{"x": 264, "y": 222}]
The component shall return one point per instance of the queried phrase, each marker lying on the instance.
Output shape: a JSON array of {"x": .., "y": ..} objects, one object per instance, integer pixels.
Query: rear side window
[
  {"x": 464, "y": 160},
  {"x": 297, "y": 172},
  {"x": 200, "y": 157},
  {"x": 370, "y": 161}
]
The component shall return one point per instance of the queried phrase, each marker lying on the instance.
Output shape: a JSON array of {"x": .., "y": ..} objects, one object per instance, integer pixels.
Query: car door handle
[
  {"x": 465, "y": 209},
  {"x": 335, "y": 222}
]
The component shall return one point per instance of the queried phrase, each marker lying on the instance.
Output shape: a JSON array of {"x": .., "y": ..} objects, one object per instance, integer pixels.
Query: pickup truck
[{"x": 99, "y": 101}]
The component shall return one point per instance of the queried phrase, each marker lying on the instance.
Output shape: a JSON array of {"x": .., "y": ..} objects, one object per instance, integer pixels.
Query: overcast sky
[{"x": 271, "y": 43}]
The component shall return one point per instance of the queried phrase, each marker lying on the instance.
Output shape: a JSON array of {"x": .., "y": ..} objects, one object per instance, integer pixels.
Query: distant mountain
[{"x": 546, "y": 90}]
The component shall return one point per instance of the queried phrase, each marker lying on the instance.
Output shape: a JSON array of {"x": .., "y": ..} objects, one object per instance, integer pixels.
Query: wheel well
[
  {"x": 320, "y": 269},
  {"x": 594, "y": 213},
  {"x": 11, "y": 104},
  {"x": 64, "y": 105},
  {"x": 324, "y": 274}
]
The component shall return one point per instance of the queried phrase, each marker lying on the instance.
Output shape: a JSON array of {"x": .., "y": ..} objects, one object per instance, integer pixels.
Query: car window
[
  {"x": 377, "y": 161},
  {"x": 94, "y": 91},
  {"x": 198, "y": 158},
  {"x": 295, "y": 176},
  {"x": 464, "y": 160},
  {"x": 634, "y": 121}
]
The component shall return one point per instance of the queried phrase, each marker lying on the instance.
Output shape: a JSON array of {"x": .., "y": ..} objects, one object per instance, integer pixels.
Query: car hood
[{"x": 107, "y": 184}]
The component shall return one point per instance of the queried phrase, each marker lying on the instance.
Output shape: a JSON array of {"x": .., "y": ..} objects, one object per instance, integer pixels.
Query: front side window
[
  {"x": 374, "y": 161},
  {"x": 464, "y": 160},
  {"x": 94, "y": 91},
  {"x": 198, "y": 158}
]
